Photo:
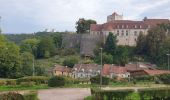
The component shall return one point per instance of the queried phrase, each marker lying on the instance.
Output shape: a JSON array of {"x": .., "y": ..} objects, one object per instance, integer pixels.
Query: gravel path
[{"x": 64, "y": 94}]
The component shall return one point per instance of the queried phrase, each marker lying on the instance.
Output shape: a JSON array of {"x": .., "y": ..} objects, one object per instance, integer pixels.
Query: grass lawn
[{"x": 19, "y": 87}]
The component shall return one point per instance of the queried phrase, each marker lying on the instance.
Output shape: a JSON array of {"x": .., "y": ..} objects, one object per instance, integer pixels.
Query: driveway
[{"x": 64, "y": 94}]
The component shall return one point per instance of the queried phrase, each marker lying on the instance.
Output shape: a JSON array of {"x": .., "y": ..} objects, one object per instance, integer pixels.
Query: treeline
[{"x": 17, "y": 60}]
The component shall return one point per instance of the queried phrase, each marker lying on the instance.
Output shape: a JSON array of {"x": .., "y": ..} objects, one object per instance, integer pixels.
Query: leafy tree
[
  {"x": 83, "y": 26},
  {"x": 9, "y": 59},
  {"x": 27, "y": 62},
  {"x": 46, "y": 47},
  {"x": 30, "y": 45},
  {"x": 107, "y": 58},
  {"x": 110, "y": 45},
  {"x": 141, "y": 44},
  {"x": 57, "y": 37},
  {"x": 71, "y": 61},
  {"x": 122, "y": 55}
]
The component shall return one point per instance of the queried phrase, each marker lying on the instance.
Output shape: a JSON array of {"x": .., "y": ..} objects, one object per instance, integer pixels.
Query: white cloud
[{"x": 36, "y": 15}]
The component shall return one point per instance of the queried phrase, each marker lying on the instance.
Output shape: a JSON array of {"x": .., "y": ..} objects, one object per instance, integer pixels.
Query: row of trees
[
  {"x": 155, "y": 45},
  {"x": 17, "y": 60}
]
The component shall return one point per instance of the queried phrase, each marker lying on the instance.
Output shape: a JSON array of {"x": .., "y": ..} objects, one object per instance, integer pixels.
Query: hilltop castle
[{"x": 127, "y": 31}]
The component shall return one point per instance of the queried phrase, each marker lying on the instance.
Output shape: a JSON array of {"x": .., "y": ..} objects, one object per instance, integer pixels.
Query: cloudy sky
[{"x": 27, "y": 16}]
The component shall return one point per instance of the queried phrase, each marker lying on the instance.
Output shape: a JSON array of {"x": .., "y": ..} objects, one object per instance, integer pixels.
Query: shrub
[
  {"x": 2, "y": 82},
  {"x": 56, "y": 81},
  {"x": 165, "y": 78},
  {"x": 27, "y": 84},
  {"x": 11, "y": 82},
  {"x": 99, "y": 94},
  {"x": 11, "y": 96},
  {"x": 31, "y": 96},
  {"x": 96, "y": 80},
  {"x": 144, "y": 78},
  {"x": 36, "y": 79},
  {"x": 70, "y": 61}
]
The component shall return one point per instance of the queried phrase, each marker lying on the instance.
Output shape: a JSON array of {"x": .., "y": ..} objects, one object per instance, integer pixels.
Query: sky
[{"x": 28, "y": 16}]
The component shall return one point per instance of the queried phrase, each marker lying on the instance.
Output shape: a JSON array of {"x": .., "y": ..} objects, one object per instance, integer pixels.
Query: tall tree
[
  {"x": 9, "y": 59},
  {"x": 110, "y": 45},
  {"x": 141, "y": 44},
  {"x": 46, "y": 47},
  {"x": 30, "y": 45},
  {"x": 83, "y": 26}
]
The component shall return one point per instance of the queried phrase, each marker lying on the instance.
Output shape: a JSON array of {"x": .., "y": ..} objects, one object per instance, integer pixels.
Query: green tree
[
  {"x": 83, "y": 26},
  {"x": 71, "y": 61},
  {"x": 57, "y": 37},
  {"x": 9, "y": 59},
  {"x": 30, "y": 45},
  {"x": 27, "y": 63},
  {"x": 107, "y": 58},
  {"x": 110, "y": 45},
  {"x": 141, "y": 44},
  {"x": 46, "y": 47}
]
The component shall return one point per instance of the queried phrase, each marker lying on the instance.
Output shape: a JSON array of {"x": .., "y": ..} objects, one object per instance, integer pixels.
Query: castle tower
[{"x": 114, "y": 17}]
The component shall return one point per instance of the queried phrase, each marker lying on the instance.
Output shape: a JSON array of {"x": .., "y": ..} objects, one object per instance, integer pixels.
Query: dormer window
[
  {"x": 135, "y": 26},
  {"x": 126, "y": 26},
  {"x": 117, "y": 26},
  {"x": 122, "y": 26},
  {"x": 140, "y": 26}
]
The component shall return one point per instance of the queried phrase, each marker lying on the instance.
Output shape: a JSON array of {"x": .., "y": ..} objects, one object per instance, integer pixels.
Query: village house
[
  {"x": 127, "y": 71},
  {"x": 126, "y": 31},
  {"x": 61, "y": 70},
  {"x": 85, "y": 70}
]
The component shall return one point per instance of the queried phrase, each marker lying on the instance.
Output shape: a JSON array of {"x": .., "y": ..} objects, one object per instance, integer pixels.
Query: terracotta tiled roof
[
  {"x": 119, "y": 24},
  {"x": 128, "y": 24},
  {"x": 154, "y": 22},
  {"x": 157, "y": 72},
  {"x": 86, "y": 67},
  {"x": 61, "y": 68},
  {"x": 118, "y": 70},
  {"x": 106, "y": 69}
]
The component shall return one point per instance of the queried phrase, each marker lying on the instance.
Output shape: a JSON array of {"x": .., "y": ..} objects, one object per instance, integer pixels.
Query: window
[
  {"x": 117, "y": 26},
  {"x": 135, "y": 26},
  {"x": 135, "y": 33},
  {"x": 117, "y": 32},
  {"x": 122, "y": 33},
  {"x": 140, "y": 26},
  {"x": 126, "y": 26},
  {"x": 126, "y": 33}
]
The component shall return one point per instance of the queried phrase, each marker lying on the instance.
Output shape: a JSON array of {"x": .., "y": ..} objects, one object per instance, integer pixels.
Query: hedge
[
  {"x": 56, "y": 81},
  {"x": 155, "y": 94},
  {"x": 36, "y": 79},
  {"x": 96, "y": 80},
  {"x": 144, "y": 94},
  {"x": 111, "y": 94}
]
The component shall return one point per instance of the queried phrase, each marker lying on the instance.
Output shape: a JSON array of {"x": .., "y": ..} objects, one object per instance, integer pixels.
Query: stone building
[{"x": 127, "y": 31}]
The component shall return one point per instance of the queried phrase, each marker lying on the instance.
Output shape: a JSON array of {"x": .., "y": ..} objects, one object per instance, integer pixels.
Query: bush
[
  {"x": 165, "y": 78},
  {"x": 11, "y": 96},
  {"x": 144, "y": 78},
  {"x": 99, "y": 94},
  {"x": 11, "y": 82},
  {"x": 56, "y": 81},
  {"x": 96, "y": 80},
  {"x": 31, "y": 96},
  {"x": 2, "y": 82},
  {"x": 27, "y": 84},
  {"x": 70, "y": 61},
  {"x": 36, "y": 79}
]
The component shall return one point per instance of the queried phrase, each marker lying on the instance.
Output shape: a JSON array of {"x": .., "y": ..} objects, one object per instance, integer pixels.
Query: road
[{"x": 64, "y": 94}]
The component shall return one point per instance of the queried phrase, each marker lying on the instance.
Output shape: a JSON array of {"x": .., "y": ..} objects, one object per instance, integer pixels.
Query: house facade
[
  {"x": 85, "y": 70},
  {"x": 59, "y": 70},
  {"x": 126, "y": 31}
]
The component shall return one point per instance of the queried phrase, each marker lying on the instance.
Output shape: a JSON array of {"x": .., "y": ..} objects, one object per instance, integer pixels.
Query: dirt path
[{"x": 64, "y": 94}]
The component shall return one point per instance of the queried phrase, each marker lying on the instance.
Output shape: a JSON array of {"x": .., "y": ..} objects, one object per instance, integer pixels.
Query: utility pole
[
  {"x": 168, "y": 59},
  {"x": 101, "y": 69}
]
